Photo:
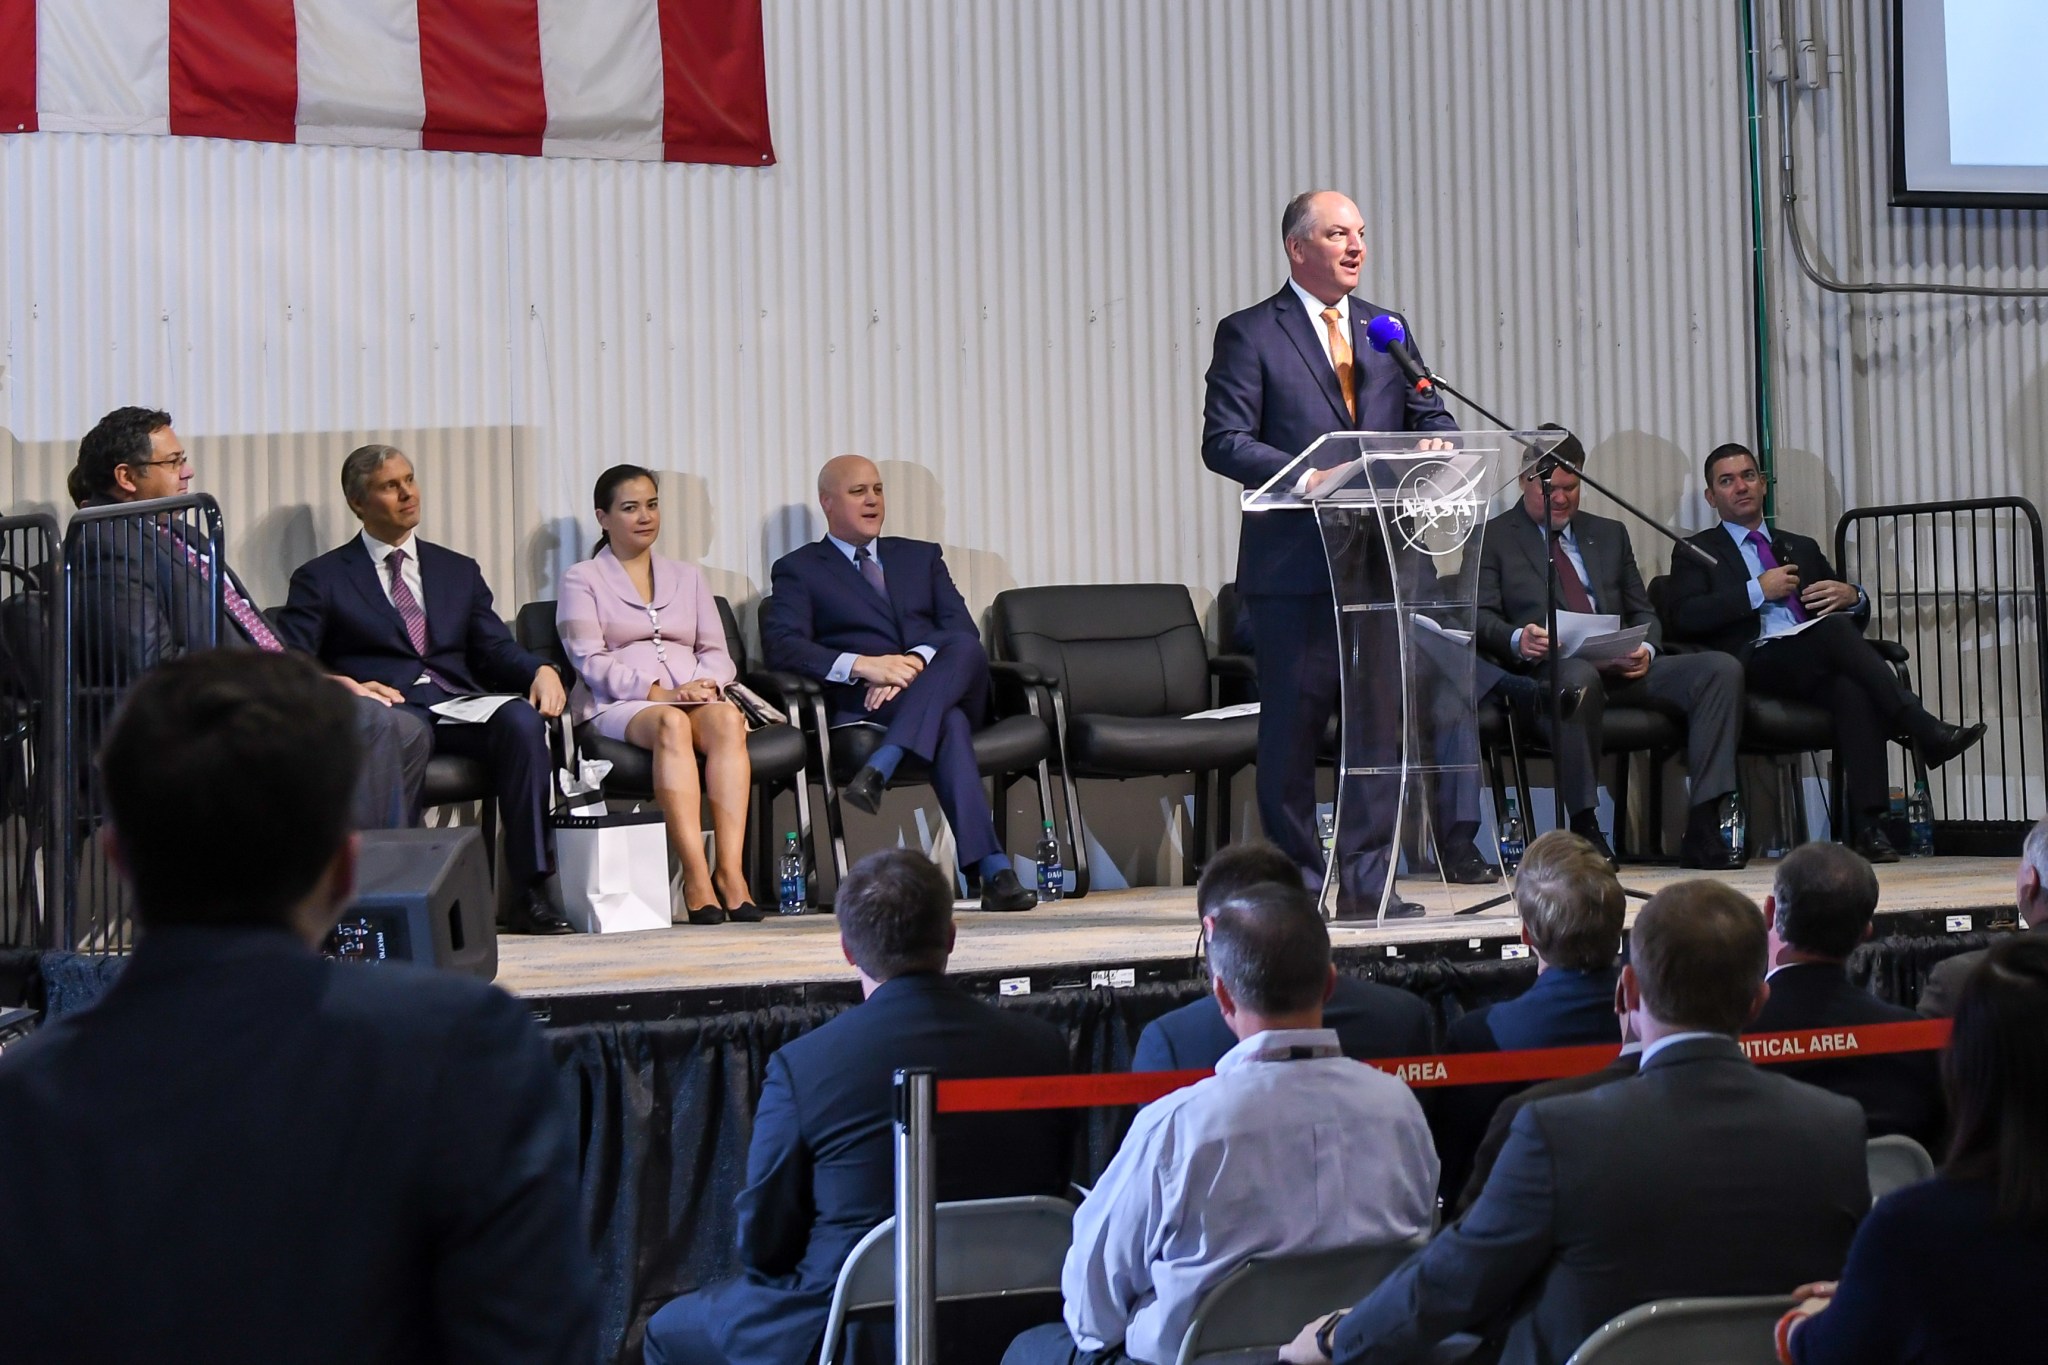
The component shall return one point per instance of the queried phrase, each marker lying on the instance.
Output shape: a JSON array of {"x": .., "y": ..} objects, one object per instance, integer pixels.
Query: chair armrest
[
  {"x": 1891, "y": 651},
  {"x": 782, "y": 687},
  {"x": 1019, "y": 687},
  {"x": 1029, "y": 674},
  {"x": 1234, "y": 668}
]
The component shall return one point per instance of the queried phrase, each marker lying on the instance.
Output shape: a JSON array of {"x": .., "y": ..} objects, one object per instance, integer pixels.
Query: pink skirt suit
[{"x": 622, "y": 645}]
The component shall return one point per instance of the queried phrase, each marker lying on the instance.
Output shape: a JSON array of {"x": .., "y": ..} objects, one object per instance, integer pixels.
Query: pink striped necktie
[
  {"x": 408, "y": 605},
  {"x": 239, "y": 608}
]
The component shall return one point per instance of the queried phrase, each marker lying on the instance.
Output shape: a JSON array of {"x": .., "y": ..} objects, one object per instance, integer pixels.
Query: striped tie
[
  {"x": 239, "y": 608},
  {"x": 408, "y": 605}
]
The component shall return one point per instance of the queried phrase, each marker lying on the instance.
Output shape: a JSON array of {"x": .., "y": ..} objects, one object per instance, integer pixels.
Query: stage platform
[{"x": 1110, "y": 938}]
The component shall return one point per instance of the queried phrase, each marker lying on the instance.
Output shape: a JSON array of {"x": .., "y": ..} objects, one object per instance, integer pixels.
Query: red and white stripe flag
[{"x": 676, "y": 80}]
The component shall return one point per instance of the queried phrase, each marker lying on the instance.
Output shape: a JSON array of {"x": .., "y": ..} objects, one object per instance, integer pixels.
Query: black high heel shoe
[{"x": 746, "y": 912}]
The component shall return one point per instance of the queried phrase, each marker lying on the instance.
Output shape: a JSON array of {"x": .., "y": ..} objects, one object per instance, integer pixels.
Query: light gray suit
[{"x": 1703, "y": 689}]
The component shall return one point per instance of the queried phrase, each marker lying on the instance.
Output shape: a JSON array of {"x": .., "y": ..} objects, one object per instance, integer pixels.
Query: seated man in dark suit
[
  {"x": 1597, "y": 572},
  {"x": 287, "y": 1158},
  {"x": 1821, "y": 906},
  {"x": 1571, "y": 908},
  {"x": 880, "y": 622},
  {"x": 396, "y": 612},
  {"x": 144, "y": 593},
  {"x": 1370, "y": 1020},
  {"x": 1945, "y": 983},
  {"x": 820, "y": 1169},
  {"x": 1773, "y": 602},
  {"x": 1702, "y": 1175}
]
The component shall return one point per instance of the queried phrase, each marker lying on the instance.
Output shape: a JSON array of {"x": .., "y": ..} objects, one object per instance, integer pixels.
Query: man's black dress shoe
[
  {"x": 1873, "y": 844},
  {"x": 533, "y": 915},
  {"x": 1587, "y": 827},
  {"x": 864, "y": 792},
  {"x": 1946, "y": 741},
  {"x": 1708, "y": 854},
  {"x": 1462, "y": 866},
  {"x": 1352, "y": 908},
  {"x": 1004, "y": 892}
]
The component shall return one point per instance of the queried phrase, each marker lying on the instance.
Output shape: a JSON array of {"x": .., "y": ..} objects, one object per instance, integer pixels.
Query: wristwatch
[{"x": 1326, "y": 1335}]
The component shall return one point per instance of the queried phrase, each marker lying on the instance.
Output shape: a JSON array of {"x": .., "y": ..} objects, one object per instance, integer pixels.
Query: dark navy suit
[
  {"x": 1900, "y": 1093},
  {"x": 820, "y": 1168},
  {"x": 288, "y": 1158},
  {"x": 819, "y": 607},
  {"x": 1271, "y": 393},
  {"x": 337, "y": 611},
  {"x": 1371, "y": 1020}
]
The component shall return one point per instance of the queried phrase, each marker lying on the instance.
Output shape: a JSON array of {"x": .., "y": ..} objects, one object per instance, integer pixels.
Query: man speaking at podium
[{"x": 1286, "y": 372}]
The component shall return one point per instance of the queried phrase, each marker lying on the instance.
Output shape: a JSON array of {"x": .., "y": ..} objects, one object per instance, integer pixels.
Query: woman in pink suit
[{"x": 649, "y": 649}]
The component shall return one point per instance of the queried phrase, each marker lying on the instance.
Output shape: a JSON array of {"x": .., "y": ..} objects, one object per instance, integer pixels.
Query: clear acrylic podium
[{"x": 1402, "y": 516}]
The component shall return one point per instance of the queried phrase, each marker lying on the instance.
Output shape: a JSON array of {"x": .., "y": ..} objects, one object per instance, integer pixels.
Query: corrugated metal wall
[{"x": 992, "y": 256}]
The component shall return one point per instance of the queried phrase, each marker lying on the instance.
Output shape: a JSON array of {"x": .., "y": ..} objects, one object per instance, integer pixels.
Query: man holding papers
[
  {"x": 1774, "y": 603},
  {"x": 1597, "y": 575}
]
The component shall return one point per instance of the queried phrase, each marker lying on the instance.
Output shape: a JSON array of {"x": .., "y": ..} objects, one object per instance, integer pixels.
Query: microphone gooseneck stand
[{"x": 1542, "y": 464}]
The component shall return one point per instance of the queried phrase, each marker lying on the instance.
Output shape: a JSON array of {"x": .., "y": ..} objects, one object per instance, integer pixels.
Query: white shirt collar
[
  {"x": 852, "y": 552},
  {"x": 1668, "y": 1039},
  {"x": 1741, "y": 533},
  {"x": 1281, "y": 1045},
  {"x": 1316, "y": 306},
  {"x": 379, "y": 551}
]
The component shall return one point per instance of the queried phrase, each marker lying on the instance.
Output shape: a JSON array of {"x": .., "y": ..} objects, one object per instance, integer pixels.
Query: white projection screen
[{"x": 1970, "y": 103}]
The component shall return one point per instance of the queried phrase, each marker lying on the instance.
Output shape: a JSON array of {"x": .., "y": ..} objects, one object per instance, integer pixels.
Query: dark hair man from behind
[
  {"x": 1913, "y": 1289},
  {"x": 1369, "y": 1019},
  {"x": 1703, "y": 1175},
  {"x": 821, "y": 1163},
  {"x": 1269, "y": 953},
  {"x": 314, "y": 1162}
]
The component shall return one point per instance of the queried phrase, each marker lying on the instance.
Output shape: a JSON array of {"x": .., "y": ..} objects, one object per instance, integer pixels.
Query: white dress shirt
[
  {"x": 1315, "y": 308},
  {"x": 1289, "y": 1147},
  {"x": 842, "y": 667},
  {"x": 1773, "y": 618},
  {"x": 409, "y": 571},
  {"x": 1668, "y": 1039}
]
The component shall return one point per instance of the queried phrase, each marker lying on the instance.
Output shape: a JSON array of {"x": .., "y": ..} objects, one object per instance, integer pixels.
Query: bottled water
[
  {"x": 1734, "y": 828},
  {"x": 1920, "y": 823},
  {"x": 1513, "y": 841},
  {"x": 1326, "y": 829},
  {"x": 791, "y": 899},
  {"x": 1052, "y": 878}
]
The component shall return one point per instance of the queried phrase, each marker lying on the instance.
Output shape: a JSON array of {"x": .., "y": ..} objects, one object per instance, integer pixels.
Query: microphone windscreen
[{"x": 1385, "y": 331}]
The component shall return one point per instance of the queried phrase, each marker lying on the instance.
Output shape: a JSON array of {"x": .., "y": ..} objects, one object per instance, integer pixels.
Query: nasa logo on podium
[{"x": 1440, "y": 506}]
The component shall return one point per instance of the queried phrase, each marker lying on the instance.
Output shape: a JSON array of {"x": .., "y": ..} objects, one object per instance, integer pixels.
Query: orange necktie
[{"x": 1340, "y": 356}]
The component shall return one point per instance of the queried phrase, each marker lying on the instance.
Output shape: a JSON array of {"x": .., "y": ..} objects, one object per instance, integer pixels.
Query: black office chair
[
  {"x": 1130, "y": 662},
  {"x": 776, "y": 753}
]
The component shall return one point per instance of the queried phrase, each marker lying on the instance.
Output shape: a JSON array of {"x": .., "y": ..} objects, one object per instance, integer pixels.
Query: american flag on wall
[{"x": 652, "y": 80}]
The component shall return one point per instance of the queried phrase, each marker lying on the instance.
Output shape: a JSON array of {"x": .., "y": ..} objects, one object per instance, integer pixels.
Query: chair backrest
[
  {"x": 1688, "y": 1332},
  {"x": 735, "y": 643},
  {"x": 1261, "y": 1305},
  {"x": 534, "y": 628},
  {"x": 1233, "y": 627},
  {"x": 986, "y": 1248},
  {"x": 1123, "y": 649},
  {"x": 1895, "y": 1162}
]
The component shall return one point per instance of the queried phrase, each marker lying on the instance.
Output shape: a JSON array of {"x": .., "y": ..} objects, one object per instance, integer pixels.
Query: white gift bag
[{"x": 613, "y": 869}]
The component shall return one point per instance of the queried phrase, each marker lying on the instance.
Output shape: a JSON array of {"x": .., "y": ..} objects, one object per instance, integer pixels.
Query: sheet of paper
[
  {"x": 1808, "y": 624},
  {"x": 1614, "y": 644},
  {"x": 1435, "y": 627},
  {"x": 1574, "y": 628},
  {"x": 470, "y": 710},
  {"x": 1249, "y": 708}
]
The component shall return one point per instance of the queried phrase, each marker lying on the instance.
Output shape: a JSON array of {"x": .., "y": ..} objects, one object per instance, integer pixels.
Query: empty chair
[
  {"x": 1897, "y": 1161},
  {"x": 984, "y": 1249},
  {"x": 1689, "y": 1332},
  {"x": 1260, "y": 1306}
]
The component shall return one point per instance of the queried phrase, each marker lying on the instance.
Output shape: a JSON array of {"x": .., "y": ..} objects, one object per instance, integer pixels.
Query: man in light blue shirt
[{"x": 1290, "y": 1147}]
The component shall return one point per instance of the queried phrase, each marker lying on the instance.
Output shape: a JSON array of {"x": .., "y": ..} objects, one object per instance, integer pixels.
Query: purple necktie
[
  {"x": 1769, "y": 559},
  {"x": 239, "y": 608},
  {"x": 408, "y": 605},
  {"x": 871, "y": 570}
]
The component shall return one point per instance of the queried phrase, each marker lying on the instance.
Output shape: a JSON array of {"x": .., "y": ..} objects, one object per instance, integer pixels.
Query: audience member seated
[
  {"x": 1624, "y": 1065},
  {"x": 1939, "y": 1271},
  {"x": 1370, "y": 1020},
  {"x": 1290, "y": 1147},
  {"x": 821, "y": 1169},
  {"x": 2030, "y": 892},
  {"x": 1772, "y": 601},
  {"x": 881, "y": 623},
  {"x": 1571, "y": 908},
  {"x": 245, "y": 1151},
  {"x": 1820, "y": 908},
  {"x": 393, "y": 611},
  {"x": 649, "y": 648},
  {"x": 1702, "y": 1175},
  {"x": 143, "y": 592},
  {"x": 1596, "y": 572}
]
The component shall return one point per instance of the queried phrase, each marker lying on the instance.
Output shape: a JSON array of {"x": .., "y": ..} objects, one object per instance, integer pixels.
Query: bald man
[
  {"x": 1286, "y": 372},
  {"x": 878, "y": 621}
]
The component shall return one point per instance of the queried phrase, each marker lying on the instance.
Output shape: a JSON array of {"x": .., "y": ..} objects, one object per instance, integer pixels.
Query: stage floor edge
[{"x": 1113, "y": 939}]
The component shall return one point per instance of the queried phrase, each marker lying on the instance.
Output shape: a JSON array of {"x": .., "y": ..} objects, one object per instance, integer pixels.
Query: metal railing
[
  {"x": 1962, "y": 586},
  {"x": 29, "y": 831},
  {"x": 138, "y": 587}
]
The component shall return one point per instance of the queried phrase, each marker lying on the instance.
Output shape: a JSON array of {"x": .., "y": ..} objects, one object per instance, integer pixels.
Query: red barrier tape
[{"x": 1467, "y": 1068}]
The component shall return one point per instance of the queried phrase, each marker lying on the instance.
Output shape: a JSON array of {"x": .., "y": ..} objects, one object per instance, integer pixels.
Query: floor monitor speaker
[{"x": 422, "y": 895}]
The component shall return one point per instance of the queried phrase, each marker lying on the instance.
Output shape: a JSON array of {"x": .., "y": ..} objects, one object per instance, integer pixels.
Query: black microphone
[{"x": 1387, "y": 336}]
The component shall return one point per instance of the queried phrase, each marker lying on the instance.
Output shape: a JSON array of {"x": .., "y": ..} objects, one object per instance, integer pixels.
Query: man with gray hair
[
  {"x": 2030, "y": 891},
  {"x": 1290, "y": 1147},
  {"x": 396, "y": 612}
]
